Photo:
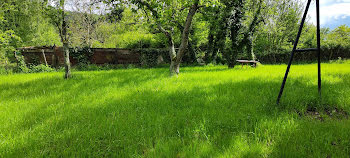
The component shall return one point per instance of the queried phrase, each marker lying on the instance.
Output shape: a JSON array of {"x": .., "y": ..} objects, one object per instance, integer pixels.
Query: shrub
[
  {"x": 5, "y": 70},
  {"x": 21, "y": 65},
  {"x": 40, "y": 68}
]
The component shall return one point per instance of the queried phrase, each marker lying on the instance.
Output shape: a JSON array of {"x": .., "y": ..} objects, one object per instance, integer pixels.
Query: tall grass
[{"x": 205, "y": 112}]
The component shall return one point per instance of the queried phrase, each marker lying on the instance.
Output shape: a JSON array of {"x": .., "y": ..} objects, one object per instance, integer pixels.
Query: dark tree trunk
[
  {"x": 214, "y": 54},
  {"x": 238, "y": 45},
  {"x": 190, "y": 55},
  {"x": 210, "y": 50},
  {"x": 231, "y": 64}
]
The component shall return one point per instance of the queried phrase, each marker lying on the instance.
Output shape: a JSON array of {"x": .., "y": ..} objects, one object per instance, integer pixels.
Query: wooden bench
[{"x": 250, "y": 62}]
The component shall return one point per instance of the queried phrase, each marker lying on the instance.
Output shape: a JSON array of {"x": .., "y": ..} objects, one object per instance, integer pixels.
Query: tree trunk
[
  {"x": 231, "y": 64},
  {"x": 64, "y": 39},
  {"x": 249, "y": 47},
  {"x": 175, "y": 67},
  {"x": 208, "y": 54},
  {"x": 17, "y": 61},
  {"x": 53, "y": 60},
  {"x": 67, "y": 62},
  {"x": 191, "y": 53},
  {"x": 176, "y": 58}
]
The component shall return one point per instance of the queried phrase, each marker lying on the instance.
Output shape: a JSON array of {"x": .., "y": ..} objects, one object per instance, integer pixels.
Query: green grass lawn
[{"x": 205, "y": 112}]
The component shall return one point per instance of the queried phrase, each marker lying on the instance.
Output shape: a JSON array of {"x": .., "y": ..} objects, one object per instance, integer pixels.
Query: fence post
[{"x": 43, "y": 52}]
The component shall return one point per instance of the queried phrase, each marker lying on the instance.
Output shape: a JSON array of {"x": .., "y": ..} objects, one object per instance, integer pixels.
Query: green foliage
[
  {"x": 130, "y": 32},
  {"x": 8, "y": 43},
  {"x": 215, "y": 30},
  {"x": 281, "y": 20},
  {"x": 45, "y": 35},
  {"x": 22, "y": 23},
  {"x": 23, "y": 68},
  {"x": 135, "y": 39},
  {"x": 21, "y": 65},
  {"x": 82, "y": 55},
  {"x": 105, "y": 67},
  {"x": 7, "y": 69},
  {"x": 149, "y": 57},
  {"x": 205, "y": 112},
  {"x": 339, "y": 37},
  {"x": 40, "y": 68},
  {"x": 231, "y": 29}
]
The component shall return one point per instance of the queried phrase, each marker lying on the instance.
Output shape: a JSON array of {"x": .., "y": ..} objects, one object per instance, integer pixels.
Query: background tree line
[{"x": 210, "y": 31}]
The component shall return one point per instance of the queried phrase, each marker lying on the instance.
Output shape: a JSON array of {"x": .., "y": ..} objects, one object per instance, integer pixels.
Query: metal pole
[
  {"x": 318, "y": 46},
  {"x": 294, "y": 48}
]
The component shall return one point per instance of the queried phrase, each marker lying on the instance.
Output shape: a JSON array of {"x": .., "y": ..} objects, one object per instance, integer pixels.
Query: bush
[
  {"x": 40, "y": 68},
  {"x": 5, "y": 71},
  {"x": 22, "y": 67},
  {"x": 94, "y": 67}
]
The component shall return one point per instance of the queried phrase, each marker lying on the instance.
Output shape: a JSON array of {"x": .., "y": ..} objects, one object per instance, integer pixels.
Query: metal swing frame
[{"x": 318, "y": 49}]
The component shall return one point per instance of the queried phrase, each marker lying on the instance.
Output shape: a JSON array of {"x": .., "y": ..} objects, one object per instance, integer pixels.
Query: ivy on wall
[
  {"x": 81, "y": 54},
  {"x": 149, "y": 57}
]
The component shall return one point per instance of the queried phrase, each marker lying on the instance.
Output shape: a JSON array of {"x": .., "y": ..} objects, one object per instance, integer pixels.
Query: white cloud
[{"x": 331, "y": 10}]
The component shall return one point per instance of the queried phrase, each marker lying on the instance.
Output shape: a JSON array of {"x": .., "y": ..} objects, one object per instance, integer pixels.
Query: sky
[{"x": 332, "y": 13}]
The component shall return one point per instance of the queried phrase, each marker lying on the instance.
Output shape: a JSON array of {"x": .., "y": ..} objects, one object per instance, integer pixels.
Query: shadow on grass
[
  {"x": 227, "y": 119},
  {"x": 80, "y": 83}
]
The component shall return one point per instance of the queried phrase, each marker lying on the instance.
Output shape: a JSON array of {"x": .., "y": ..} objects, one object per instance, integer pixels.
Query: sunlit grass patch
[{"x": 205, "y": 112}]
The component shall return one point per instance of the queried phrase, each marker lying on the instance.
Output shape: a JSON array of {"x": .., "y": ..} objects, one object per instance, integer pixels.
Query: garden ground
[{"x": 205, "y": 112}]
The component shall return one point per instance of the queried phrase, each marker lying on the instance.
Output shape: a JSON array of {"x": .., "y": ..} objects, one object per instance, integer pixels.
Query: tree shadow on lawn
[
  {"x": 40, "y": 101},
  {"x": 213, "y": 120},
  {"x": 227, "y": 119},
  {"x": 80, "y": 83}
]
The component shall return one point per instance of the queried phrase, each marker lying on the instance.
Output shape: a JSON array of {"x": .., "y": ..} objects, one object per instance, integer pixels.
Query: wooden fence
[{"x": 54, "y": 56}]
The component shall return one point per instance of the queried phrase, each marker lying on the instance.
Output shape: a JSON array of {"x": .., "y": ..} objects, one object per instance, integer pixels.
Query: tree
[
  {"x": 166, "y": 14},
  {"x": 9, "y": 39},
  {"x": 241, "y": 36},
  {"x": 232, "y": 28},
  {"x": 84, "y": 20},
  {"x": 56, "y": 12},
  {"x": 281, "y": 22},
  {"x": 217, "y": 17}
]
